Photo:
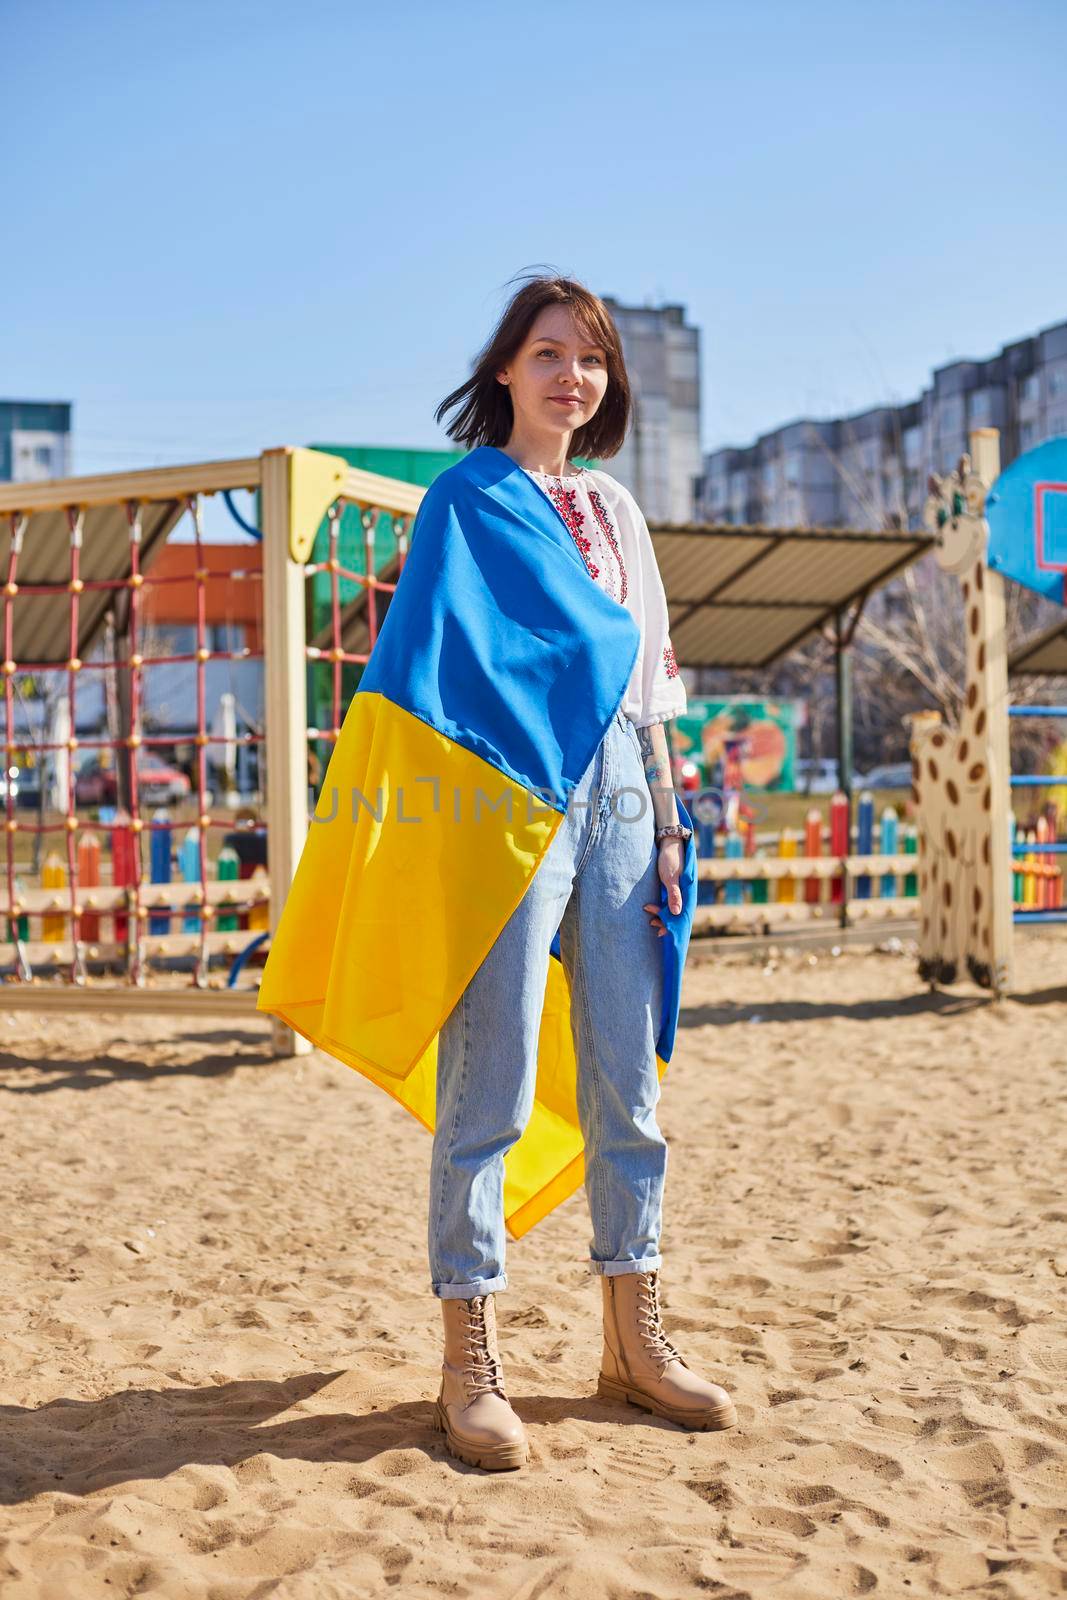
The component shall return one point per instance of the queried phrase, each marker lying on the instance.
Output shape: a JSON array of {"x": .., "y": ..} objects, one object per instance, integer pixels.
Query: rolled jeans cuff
[
  {"x": 468, "y": 1291},
  {"x": 613, "y": 1269}
]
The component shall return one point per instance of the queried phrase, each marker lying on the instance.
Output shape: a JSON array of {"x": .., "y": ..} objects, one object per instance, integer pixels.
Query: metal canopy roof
[
  {"x": 41, "y": 623},
  {"x": 1045, "y": 652},
  {"x": 742, "y": 596},
  {"x": 737, "y": 596}
]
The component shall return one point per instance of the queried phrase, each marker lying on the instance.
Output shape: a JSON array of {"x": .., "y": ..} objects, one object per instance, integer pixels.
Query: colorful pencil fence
[{"x": 846, "y": 874}]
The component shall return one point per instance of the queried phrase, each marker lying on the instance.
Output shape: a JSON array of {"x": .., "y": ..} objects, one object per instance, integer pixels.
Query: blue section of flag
[
  {"x": 676, "y": 940},
  {"x": 497, "y": 635},
  {"x": 674, "y": 944}
]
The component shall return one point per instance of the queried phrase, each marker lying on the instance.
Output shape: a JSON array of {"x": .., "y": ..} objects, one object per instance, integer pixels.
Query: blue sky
[{"x": 232, "y": 226}]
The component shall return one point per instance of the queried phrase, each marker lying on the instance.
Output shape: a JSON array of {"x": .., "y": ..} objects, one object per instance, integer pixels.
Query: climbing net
[
  {"x": 137, "y": 888},
  {"x": 345, "y": 607}
]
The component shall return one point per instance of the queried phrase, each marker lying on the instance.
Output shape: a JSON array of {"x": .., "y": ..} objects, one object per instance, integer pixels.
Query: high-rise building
[
  {"x": 870, "y": 470},
  {"x": 660, "y": 462},
  {"x": 34, "y": 440}
]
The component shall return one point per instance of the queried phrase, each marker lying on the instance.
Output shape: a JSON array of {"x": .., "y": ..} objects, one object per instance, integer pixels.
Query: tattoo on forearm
[
  {"x": 653, "y": 762},
  {"x": 653, "y": 742}
]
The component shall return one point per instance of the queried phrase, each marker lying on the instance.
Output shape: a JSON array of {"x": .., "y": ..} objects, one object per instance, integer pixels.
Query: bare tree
[
  {"x": 908, "y": 646},
  {"x": 908, "y": 651}
]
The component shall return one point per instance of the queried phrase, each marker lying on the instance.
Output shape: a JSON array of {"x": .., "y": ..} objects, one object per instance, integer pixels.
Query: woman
[{"x": 551, "y": 384}]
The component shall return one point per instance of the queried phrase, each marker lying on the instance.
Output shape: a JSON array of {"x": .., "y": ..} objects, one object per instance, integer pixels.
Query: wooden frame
[
  {"x": 962, "y": 776},
  {"x": 297, "y": 487}
]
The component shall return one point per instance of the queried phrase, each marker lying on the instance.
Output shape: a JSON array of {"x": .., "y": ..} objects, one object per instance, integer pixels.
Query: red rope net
[{"x": 73, "y": 906}]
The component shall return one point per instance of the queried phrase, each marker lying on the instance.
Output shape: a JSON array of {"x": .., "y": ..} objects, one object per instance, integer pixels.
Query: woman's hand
[{"x": 671, "y": 862}]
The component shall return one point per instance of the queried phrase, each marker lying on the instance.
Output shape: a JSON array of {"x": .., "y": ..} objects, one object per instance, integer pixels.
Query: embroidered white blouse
[{"x": 607, "y": 525}]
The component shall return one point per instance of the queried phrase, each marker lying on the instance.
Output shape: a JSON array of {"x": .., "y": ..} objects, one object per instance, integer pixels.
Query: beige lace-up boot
[
  {"x": 472, "y": 1409},
  {"x": 641, "y": 1365}
]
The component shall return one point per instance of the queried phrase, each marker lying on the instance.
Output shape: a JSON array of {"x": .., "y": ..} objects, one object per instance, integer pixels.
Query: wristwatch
[{"x": 673, "y": 830}]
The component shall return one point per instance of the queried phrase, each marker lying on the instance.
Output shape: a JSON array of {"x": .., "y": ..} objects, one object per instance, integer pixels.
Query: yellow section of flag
[{"x": 419, "y": 853}]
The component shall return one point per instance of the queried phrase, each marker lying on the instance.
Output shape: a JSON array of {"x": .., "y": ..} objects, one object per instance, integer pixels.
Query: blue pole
[
  {"x": 735, "y": 850},
  {"x": 888, "y": 844},
  {"x": 159, "y": 855},
  {"x": 864, "y": 841}
]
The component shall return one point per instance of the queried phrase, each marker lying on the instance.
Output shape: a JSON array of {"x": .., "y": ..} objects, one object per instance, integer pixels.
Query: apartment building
[
  {"x": 870, "y": 470},
  {"x": 660, "y": 462},
  {"x": 34, "y": 440}
]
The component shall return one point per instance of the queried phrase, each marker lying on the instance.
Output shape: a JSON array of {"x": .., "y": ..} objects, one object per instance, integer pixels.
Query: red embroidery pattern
[
  {"x": 609, "y": 532},
  {"x": 566, "y": 503},
  {"x": 669, "y": 661}
]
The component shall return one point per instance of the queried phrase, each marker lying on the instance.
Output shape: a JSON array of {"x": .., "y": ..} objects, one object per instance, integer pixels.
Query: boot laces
[
  {"x": 482, "y": 1372},
  {"x": 654, "y": 1338}
]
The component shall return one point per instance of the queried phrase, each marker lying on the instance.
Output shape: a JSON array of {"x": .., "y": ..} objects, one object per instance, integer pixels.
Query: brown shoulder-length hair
[{"x": 484, "y": 413}]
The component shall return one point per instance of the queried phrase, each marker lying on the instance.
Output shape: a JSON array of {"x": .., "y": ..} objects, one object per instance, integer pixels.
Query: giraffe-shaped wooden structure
[{"x": 961, "y": 778}]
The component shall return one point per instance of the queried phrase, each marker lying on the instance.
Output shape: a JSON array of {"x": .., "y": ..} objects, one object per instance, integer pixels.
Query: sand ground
[{"x": 219, "y": 1348}]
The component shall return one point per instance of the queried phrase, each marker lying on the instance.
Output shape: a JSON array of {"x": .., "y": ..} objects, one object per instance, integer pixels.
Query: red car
[{"x": 157, "y": 783}]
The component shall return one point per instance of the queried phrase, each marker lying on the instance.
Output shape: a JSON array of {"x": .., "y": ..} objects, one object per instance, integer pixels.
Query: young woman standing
[{"x": 551, "y": 384}]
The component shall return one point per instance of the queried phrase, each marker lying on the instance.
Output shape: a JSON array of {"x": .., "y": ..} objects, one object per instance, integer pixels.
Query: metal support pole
[
  {"x": 843, "y": 676},
  {"x": 843, "y": 684}
]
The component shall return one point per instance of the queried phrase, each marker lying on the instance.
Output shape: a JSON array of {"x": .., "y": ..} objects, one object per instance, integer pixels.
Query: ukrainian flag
[{"x": 497, "y": 672}]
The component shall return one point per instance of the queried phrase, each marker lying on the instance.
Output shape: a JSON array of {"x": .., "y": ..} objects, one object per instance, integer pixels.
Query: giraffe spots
[
  {"x": 966, "y": 590},
  {"x": 946, "y": 893},
  {"x": 979, "y": 723},
  {"x": 937, "y": 740},
  {"x": 972, "y": 696},
  {"x": 976, "y": 772},
  {"x": 916, "y": 768},
  {"x": 952, "y": 792},
  {"x": 985, "y": 850},
  {"x": 950, "y": 840},
  {"x": 944, "y": 927},
  {"x": 985, "y": 937},
  {"x": 915, "y": 794},
  {"x": 972, "y": 620},
  {"x": 933, "y": 872},
  {"x": 987, "y": 796},
  {"x": 981, "y": 656},
  {"x": 931, "y": 767},
  {"x": 977, "y": 899},
  {"x": 978, "y": 576},
  {"x": 961, "y": 753}
]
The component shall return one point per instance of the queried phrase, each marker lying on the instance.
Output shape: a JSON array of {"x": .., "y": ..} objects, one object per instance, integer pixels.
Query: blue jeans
[{"x": 598, "y": 872}]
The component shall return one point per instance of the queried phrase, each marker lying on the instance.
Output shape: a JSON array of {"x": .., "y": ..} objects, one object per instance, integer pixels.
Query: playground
[
  {"x": 866, "y": 1193},
  {"x": 103, "y": 903},
  {"x": 205, "y": 1390}
]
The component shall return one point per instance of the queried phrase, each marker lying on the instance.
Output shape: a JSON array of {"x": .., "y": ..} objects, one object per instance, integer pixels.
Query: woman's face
[{"x": 556, "y": 361}]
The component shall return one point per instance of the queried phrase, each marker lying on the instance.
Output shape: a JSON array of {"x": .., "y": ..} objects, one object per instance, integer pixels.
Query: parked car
[
  {"x": 816, "y": 775},
  {"x": 895, "y": 775},
  {"x": 158, "y": 783}
]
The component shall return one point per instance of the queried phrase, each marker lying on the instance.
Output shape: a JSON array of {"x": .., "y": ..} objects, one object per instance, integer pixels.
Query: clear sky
[{"x": 235, "y": 225}]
